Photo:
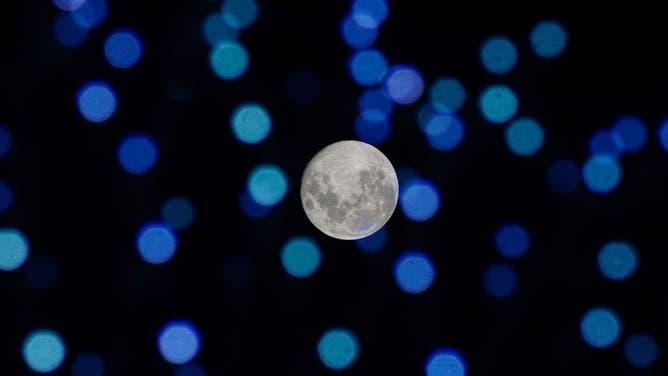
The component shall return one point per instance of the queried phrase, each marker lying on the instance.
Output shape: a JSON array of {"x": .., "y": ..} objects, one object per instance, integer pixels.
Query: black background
[{"x": 74, "y": 202}]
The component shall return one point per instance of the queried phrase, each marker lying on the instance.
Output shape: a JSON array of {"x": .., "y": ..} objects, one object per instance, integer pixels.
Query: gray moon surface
[{"x": 349, "y": 190}]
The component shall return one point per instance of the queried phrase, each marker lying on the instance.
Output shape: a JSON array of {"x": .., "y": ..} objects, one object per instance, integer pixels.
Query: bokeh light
[
  {"x": 444, "y": 132},
  {"x": 302, "y": 86},
  {"x": 498, "y": 104},
  {"x": 631, "y": 132},
  {"x": 499, "y": 280},
  {"x": 512, "y": 240},
  {"x": 251, "y": 208},
  {"x": 600, "y": 327},
  {"x": 498, "y": 55},
  {"x": 267, "y": 184},
  {"x": 44, "y": 351},
  {"x": 217, "y": 30},
  {"x": 69, "y": 33},
  {"x": 178, "y": 213},
  {"x": 370, "y": 13},
  {"x": 372, "y": 127},
  {"x": 91, "y": 14},
  {"x": 123, "y": 49},
  {"x": 563, "y": 176},
  {"x": 238, "y": 271},
  {"x": 97, "y": 101},
  {"x": 179, "y": 342},
  {"x": 88, "y": 364},
  {"x": 14, "y": 249},
  {"x": 6, "y": 141},
  {"x": 419, "y": 199},
  {"x": 240, "y": 14},
  {"x": 404, "y": 84},
  {"x": 617, "y": 260},
  {"x": 604, "y": 142},
  {"x": 447, "y": 94},
  {"x": 548, "y": 39},
  {"x": 414, "y": 272},
  {"x": 375, "y": 100},
  {"x": 338, "y": 348},
  {"x": 356, "y": 35},
  {"x": 6, "y": 196},
  {"x": 229, "y": 60},
  {"x": 300, "y": 256},
  {"x": 156, "y": 243},
  {"x": 367, "y": 67},
  {"x": 137, "y": 153},
  {"x": 374, "y": 242},
  {"x": 69, "y": 5},
  {"x": 641, "y": 350},
  {"x": 524, "y": 137},
  {"x": 601, "y": 174},
  {"x": 663, "y": 134},
  {"x": 445, "y": 362},
  {"x": 190, "y": 369},
  {"x": 42, "y": 272},
  {"x": 251, "y": 123}
]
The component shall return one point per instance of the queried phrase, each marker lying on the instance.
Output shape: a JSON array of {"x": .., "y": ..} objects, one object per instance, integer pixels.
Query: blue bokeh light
[
  {"x": 252, "y": 209},
  {"x": 137, "y": 153},
  {"x": 601, "y": 174},
  {"x": 600, "y": 327},
  {"x": 238, "y": 271},
  {"x": 190, "y": 369},
  {"x": 229, "y": 60},
  {"x": 44, "y": 351},
  {"x": 641, "y": 350},
  {"x": 69, "y": 33},
  {"x": 498, "y": 55},
  {"x": 367, "y": 67},
  {"x": 300, "y": 257},
  {"x": 375, "y": 100},
  {"x": 357, "y": 36},
  {"x": 178, "y": 212},
  {"x": 338, "y": 348},
  {"x": 6, "y": 196},
  {"x": 69, "y": 5},
  {"x": 512, "y": 240},
  {"x": 217, "y": 30},
  {"x": 91, "y": 14},
  {"x": 14, "y": 249},
  {"x": 370, "y": 13},
  {"x": 617, "y": 260},
  {"x": 548, "y": 39},
  {"x": 662, "y": 133},
  {"x": 240, "y": 14},
  {"x": 6, "y": 141},
  {"x": 179, "y": 342},
  {"x": 499, "y": 280},
  {"x": 563, "y": 176},
  {"x": 374, "y": 242},
  {"x": 444, "y": 132},
  {"x": 372, "y": 127},
  {"x": 302, "y": 86},
  {"x": 123, "y": 49},
  {"x": 604, "y": 142},
  {"x": 414, "y": 272},
  {"x": 498, "y": 104},
  {"x": 631, "y": 132},
  {"x": 156, "y": 243},
  {"x": 404, "y": 84},
  {"x": 88, "y": 364},
  {"x": 447, "y": 94},
  {"x": 267, "y": 184},
  {"x": 42, "y": 272},
  {"x": 445, "y": 362},
  {"x": 97, "y": 101},
  {"x": 251, "y": 123},
  {"x": 524, "y": 137},
  {"x": 419, "y": 199}
]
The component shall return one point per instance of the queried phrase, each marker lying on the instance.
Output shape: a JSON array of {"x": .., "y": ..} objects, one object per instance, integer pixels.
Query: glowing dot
[
  {"x": 444, "y": 132},
  {"x": 370, "y": 13},
  {"x": 498, "y": 55},
  {"x": 605, "y": 143},
  {"x": 641, "y": 350},
  {"x": 631, "y": 132},
  {"x": 91, "y": 14},
  {"x": 548, "y": 39},
  {"x": 445, "y": 362},
  {"x": 179, "y": 342},
  {"x": 419, "y": 199},
  {"x": 267, "y": 184},
  {"x": 617, "y": 260},
  {"x": 229, "y": 60},
  {"x": 404, "y": 84},
  {"x": 97, "y": 101},
  {"x": 600, "y": 327},
  {"x": 42, "y": 272},
  {"x": 217, "y": 30},
  {"x": 178, "y": 213},
  {"x": 190, "y": 369},
  {"x": 6, "y": 196},
  {"x": 372, "y": 127},
  {"x": 447, "y": 95},
  {"x": 156, "y": 243},
  {"x": 43, "y": 351},
  {"x": 6, "y": 141},
  {"x": 356, "y": 35},
  {"x": 512, "y": 240},
  {"x": 498, "y": 104},
  {"x": 524, "y": 137},
  {"x": 300, "y": 257},
  {"x": 374, "y": 242},
  {"x": 499, "y": 280},
  {"x": 414, "y": 272},
  {"x": 69, "y": 33},
  {"x": 88, "y": 364},
  {"x": 601, "y": 174},
  {"x": 375, "y": 100},
  {"x": 69, "y": 5},
  {"x": 367, "y": 67},
  {"x": 563, "y": 176},
  {"x": 250, "y": 208},
  {"x": 123, "y": 49},
  {"x": 239, "y": 14},
  {"x": 663, "y": 134},
  {"x": 251, "y": 123},
  {"x": 238, "y": 271},
  {"x": 14, "y": 249},
  {"x": 137, "y": 153},
  {"x": 302, "y": 86},
  {"x": 338, "y": 348}
]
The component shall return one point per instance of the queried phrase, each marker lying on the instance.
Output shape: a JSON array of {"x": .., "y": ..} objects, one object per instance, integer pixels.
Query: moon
[{"x": 349, "y": 190}]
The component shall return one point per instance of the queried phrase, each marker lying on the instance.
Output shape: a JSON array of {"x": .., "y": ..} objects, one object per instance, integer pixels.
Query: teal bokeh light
[
  {"x": 338, "y": 348},
  {"x": 14, "y": 249},
  {"x": 447, "y": 94},
  {"x": 548, "y": 39},
  {"x": 229, "y": 60},
  {"x": 524, "y": 137},
  {"x": 498, "y": 54},
  {"x": 300, "y": 257},
  {"x": 251, "y": 123},
  {"x": 600, "y": 327},
  {"x": 498, "y": 104},
  {"x": 267, "y": 184},
  {"x": 44, "y": 351}
]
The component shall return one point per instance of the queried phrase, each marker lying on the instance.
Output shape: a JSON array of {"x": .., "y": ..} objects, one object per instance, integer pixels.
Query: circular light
[
  {"x": 179, "y": 342},
  {"x": 414, "y": 272},
  {"x": 123, "y": 49},
  {"x": 498, "y": 55},
  {"x": 96, "y": 101},
  {"x": 663, "y": 134},
  {"x": 357, "y": 35},
  {"x": 178, "y": 212},
  {"x": 156, "y": 243},
  {"x": 499, "y": 280},
  {"x": 229, "y": 60},
  {"x": 252, "y": 209},
  {"x": 217, "y": 30},
  {"x": 14, "y": 249},
  {"x": 447, "y": 95},
  {"x": 372, "y": 127},
  {"x": 300, "y": 257},
  {"x": 69, "y": 5},
  {"x": 601, "y": 174},
  {"x": 267, "y": 184},
  {"x": 238, "y": 271},
  {"x": 548, "y": 39},
  {"x": 600, "y": 327},
  {"x": 512, "y": 240},
  {"x": 6, "y": 141},
  {"x": 419, "y": 199},
  {"x": 367, "y": 67},
  {"x": 498, "y": 104},
  {"x": 88, "y": 365},
  {"x": 617, "y": 260},
  {"x": 68, "y": 32},
  {"x": 445, "y": 362},
  {"x": 137, "y": 153},
  {"x": 404, "y": 84},
  {"x": 43, "y": 351},
  {"x": 239, "y": 14},
  {"x": 91, "y": 14},
  {"x": 303, "y": 86},
  {"x": 6, "y": 197},
  {"x": 374, "y": 242},
  {"x": 251, "y": 123},
  {"x": 631, "y": 133},
  {"x": 524, "y": 137},
  {"x": 338, "y": 349},
  {"x": 444, "y": 132},
  {"x": 641, "y": 350},
  {"x": 563, "y": 176},
  {"x": 606, "y": 143},
  {"x": 375, "y": 100},
  {"x": 370, "y": 13}
]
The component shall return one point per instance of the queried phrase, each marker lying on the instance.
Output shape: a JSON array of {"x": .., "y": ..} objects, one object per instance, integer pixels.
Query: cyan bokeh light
[
  {"x": 563, "y": 176},
  {"x": 179, "y": 341},
  {"x": 217, "y": 30},
  {"x": 604, "y": 142},
  {"x": 662, "y": 133},
  {"x": 498, "y": 104},
  {"x": 44, "y": 351},
  {"x": 14, "y": 249},
  {"x": 69, "y": 5},
  {"x": 97, "y": 101},
  {"x": 404, "y": 84},
  {"x": 367, "y": 67},
  {"x": 69, "y": 33},
  {"x": 88, "y": 364},
  {"x": 6, "y": 141},
  {"x": 338, "y": 349},
  {"x": 42, "y": 272},
  {"x": 238, "y": 271},
  {"x": 357, "y": 36},
  {"x": 91, "y": 14},
  {"x": 229, "y": 60},
  {"x": 137, "y": 153},
  {"x": 156, "y": 243},
  {"x": 370, "y": 13},
  {"x": 6, "y": 196},
  {"x": 375, "y": 100},
  {"x": 548, "y": 39},
  {"x": 302, "y": 86},
  {"x": 190, "y": 369},
  {"x": 617, "y": 260},
  {"x": 445, "y": 362},
  {"x": 631, "y": 132},
  {"x": 601, "y": 174},
  {"x": 498, "y": 55},
  {"x": 267, "y": 184},
  {"x": 374, "y": 242},
  {"x": 600, "y": 327},
  {"x": 512, "y": 240},
  {"x": 414, "y": 272},
  {"x": 252, "y": 209},
  {"x": 524, "y": 136},
  {"x": 123, "y": 49},
  {"x": 240, "y": 14},
  {"x": 178, "y": 212},
  {"x": 641, "y": 350},
  {"x": 300, "y": 256},
  {"x": 499, "y": 280},
  {"x": 372, "y": 127},
  {"x": 447, "y": 94},
  {"x": 251, "y": 123},
  {"x": 419, "y": 199},
  {"x": 444, "y": 132}
]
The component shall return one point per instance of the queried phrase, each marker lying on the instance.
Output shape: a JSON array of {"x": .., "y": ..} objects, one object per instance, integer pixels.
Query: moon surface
[{"x": 349, "y": 190}]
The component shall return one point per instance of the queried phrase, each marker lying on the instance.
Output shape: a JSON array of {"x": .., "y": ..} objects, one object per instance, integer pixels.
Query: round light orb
[{"x": 349, "y": 190}]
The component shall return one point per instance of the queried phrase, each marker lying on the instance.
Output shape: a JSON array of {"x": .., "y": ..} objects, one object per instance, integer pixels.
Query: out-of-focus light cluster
[
  {"x": 404, "y": 84},
  {"x": 88, "y": 364},
  {"x": 419, "y": 199},
  {"x": 44, "y": 351},
  {"x": 178, "y": 213},
  {"x": 79, "y": 17},
  {"x": 372, "y": 127},
  {"x": 600, "y": 327},
  {"x": 548, "y": 39},
  {"x": 156, "y": 242},
  {"x": 641, "y": 350},
  {"x": 498, "y": 54},
  {"x": 499, "y": 280},
  {"x": 338, "y": 348},
  {"x": 179, "y": 342},
  {"x": 498, "y": 104},
  {"x": 300, "y": 257},
  {"x": 524, "y": 136},
  {"x": 14, "y": 249},
  {"x": 123, "y": 49},
  {"x": 367, "y": 67},
  {"x": 414, "y": 272},
  {"x": 445, "y": 362},
  {"x": 228, "y": 57},
  {"x": 444, "y": 131},
  {"x": 137, "y": 153},
  {"x": 69, "y": 5},
  {"x": 251, "y": 123},
  {"x": 617, "y": 260},
  {"x": 267, "y": 184},
  {"x": 512, "y": 240},
  {"x": 601, "y": 173},
  {"x": 97, "y": 101},
  {"x": 447, "y": 94}
]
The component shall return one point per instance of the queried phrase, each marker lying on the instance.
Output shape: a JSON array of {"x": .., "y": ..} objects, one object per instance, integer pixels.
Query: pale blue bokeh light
[
  {"x": 267, "y": 184},
  {"x": 190, "y": 369},
  {"x": 444, "y": 132},
  {"x": 617, "y": 260},
  {"x": 156, "y": 243},
  {"x": 44, "y": 351},
  {"x": 370, "y": 13},
  {"x": 97, "y": 101},
  {"x": 512, "y": 240},
  {"x": 374, "y": 242},
  {"x": 563, "y": 176},
  {"x": 14, "y": 249},
  {"x": 6, "y": 141},
  {"x": 631, "y": 132},
  {"x": 300, "y": 256},
  {"x": 605, "y": 142},
  {"x": 88, "y": 364},
  {"x": 6, "y": 196},
  {"x": 338, "y": 348},
  {"x": 548, "y": 39},
  {"x": 404, "y": 84},
  {"x": 178, "y": 212},
  {"x": 302, "y": 86},
  {"x": 367, "y": 67},
  {"x": 445, "y": 362},
  {"x": 179, "y": 341},
  {"x": 601, "y": 174},
  {"x": 251, "y": 123},
  {"x": 91, "y": 14},
  {"x": 499, "y": 280},
  {"x": 229, "y": 60},
  {"x": 447, "y": 94},
  {"x": 69, "y": 33},
  {"x": 372, "y": 127},
  {"x": 375, "y": 100},
  {"x": 419, "y": 199},
  {"x": 498, "y": 55},
  {"x": 356, "y": 35},
  {"x": 137, "y": 153},
  {"x": 524, "y": 136},
  {"x": 123, "y": 49},
  {"x": 641, "y": 350},
  {"x": 414, "y": 272},
  {"x": 240, "y": 14},
  {"x": 600, "y": 327},
  {"x": 498, "y": 104},
  {"x": 217, "y": 30}
]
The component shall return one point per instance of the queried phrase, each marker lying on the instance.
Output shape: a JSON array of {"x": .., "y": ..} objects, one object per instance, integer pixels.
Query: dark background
[{"x": 75, "y": 203}]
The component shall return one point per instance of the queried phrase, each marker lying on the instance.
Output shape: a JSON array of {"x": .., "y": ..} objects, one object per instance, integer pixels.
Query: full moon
[{"x": 349, "y": 190}]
